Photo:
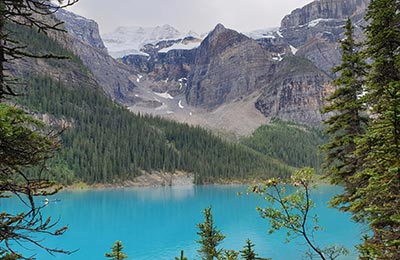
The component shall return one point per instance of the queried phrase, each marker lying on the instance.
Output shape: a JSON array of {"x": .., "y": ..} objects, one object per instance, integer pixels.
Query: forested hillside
[
  {"x": 295, "y": 145},
  {"x": 104, "y": 142}
]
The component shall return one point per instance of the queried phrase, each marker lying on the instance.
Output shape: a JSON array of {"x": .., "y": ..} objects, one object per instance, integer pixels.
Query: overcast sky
[{"x": 198, "y": 15}]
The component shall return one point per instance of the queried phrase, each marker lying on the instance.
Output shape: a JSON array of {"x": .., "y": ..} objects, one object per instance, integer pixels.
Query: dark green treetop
[
  {"x": 210, "y": 237},
  {"x": 116, "y": 252},
  {"x": 248, "y": 252}
]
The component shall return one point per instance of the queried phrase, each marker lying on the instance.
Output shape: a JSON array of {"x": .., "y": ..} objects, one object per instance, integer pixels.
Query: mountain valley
[
  {"x": 213, "y": 80},
  {"x": 228, "y": 82}
]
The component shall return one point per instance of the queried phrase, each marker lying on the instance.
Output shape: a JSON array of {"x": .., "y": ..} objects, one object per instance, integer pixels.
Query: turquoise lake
[{"x": 156, "y": 223}]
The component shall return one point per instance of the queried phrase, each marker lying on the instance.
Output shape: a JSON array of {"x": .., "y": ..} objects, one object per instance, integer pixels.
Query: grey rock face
[
  {"x": 324, "y": 9},
  {"x": 84, "y": 40},
  {"x": 112, "y": 76},
  {"x": 297, "y": 93},
  {"x": 317, "y": 28},
  {"x": 173, "y": 65},
  {"x": 81, "y": 28},
  {"x": 228, "y": 66}
]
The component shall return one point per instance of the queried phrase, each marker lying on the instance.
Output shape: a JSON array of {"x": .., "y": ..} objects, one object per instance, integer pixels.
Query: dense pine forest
[
  {"x": 104, "y": 142},
  {"x": 292, "y": 144}
]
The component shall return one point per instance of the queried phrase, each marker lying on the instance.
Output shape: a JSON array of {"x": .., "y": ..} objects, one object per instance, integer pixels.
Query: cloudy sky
[{"x": 185, "y": 15}]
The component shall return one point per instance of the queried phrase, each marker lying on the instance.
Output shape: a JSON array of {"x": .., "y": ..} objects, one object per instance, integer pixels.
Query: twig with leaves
[{"x": 291, "y": 211}]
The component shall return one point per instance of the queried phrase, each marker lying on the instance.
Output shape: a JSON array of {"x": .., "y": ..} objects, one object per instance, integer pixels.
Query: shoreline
[
  {"x": 163, "y": 179},
  {"x": 154, "y": 179}
]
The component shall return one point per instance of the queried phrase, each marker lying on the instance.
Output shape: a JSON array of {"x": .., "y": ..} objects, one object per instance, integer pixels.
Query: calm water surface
[{"x": 156, "y": 223}]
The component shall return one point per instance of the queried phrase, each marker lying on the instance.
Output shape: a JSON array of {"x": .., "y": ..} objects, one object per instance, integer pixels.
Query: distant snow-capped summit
[
  {"x": 130, "y": 40},
  {"x": 263, "y": 33}
]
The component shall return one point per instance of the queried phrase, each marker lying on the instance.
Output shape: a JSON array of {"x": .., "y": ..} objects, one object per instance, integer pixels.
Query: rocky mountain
[
  {"x": 83, "y": 29},
  {"x": 226, "y": 76},
  {"x": 163, "y": 62},
  {"x": 228, "y": 66},
  {"x": 324, "y": 10},
  {"x": 84, "y": 40},
  {"x": 133, "y": 40},
  {"x": 296, "y": 93},
  {"x": 316, "y": 29}
]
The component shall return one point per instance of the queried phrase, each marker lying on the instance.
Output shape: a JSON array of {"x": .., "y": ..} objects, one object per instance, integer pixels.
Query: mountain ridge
[
  {"x": 228, "y": 67},
  {"x": 317, "y": 28}
]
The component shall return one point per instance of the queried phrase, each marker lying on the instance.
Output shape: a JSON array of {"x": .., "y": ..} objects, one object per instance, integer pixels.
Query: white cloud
[{"x": 185, "y": 15}]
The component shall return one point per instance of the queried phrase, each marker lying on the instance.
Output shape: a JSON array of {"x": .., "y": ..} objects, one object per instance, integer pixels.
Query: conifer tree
[
  {"x": 248, "y": 252},
  {"x": 372, "y": 180},
  {"x": 210, "y": 237},
  {"x": 25, "y": 13},
  {"x": 230, "y": 255},
  {"x": 116, "y": 252},
  {"x": 182, "y": 257},
  {"x": 347, "y": 122},
  {"x": 377, "y": 199}
]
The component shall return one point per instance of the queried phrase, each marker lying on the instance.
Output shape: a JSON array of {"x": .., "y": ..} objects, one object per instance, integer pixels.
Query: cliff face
[
  {"x": 228, "y": 66},
  {"x": 317, "y": 28},
  {"x": 324, "y": 9},
  {"x": 84, "y": 40},
  {"x": 81, "y": 28},
  {"x": 297, "y": 92},
  {"x": 173, "y": 65}
]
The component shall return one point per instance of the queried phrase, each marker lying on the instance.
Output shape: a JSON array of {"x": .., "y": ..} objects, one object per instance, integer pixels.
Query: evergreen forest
[
  {"x": 105, "y": 143},
  {"x": 295, "y": 145}
]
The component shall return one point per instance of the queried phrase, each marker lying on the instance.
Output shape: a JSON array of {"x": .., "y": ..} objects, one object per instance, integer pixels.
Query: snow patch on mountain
[
  {"x": 165, "y": 95},
  {"x": 315, "y": 22},
  {"x": 130, "y": 40},
  {"x": 181, "y": 46},
  {"x": 293, "y": 49},
  {"x": 180, "y": 104},
  {"x": 262, "y": 33}
]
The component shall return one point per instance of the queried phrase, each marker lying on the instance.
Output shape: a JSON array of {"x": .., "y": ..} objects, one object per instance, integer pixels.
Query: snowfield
[
  {"x": 130, "y": 40},
  {"x": 165, "y": 95}
]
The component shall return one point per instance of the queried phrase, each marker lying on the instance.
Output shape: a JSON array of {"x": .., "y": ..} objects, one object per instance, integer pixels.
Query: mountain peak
[
  {"x": 220, "y": 32},
  {"x": 219, "y": 27}
]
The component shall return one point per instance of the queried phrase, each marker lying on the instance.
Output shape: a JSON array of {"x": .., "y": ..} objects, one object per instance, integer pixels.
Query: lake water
[{"x": 156, "y": 223}]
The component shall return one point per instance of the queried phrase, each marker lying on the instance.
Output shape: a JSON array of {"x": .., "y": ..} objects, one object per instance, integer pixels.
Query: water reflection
[{"x": 165, "y": 193}]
